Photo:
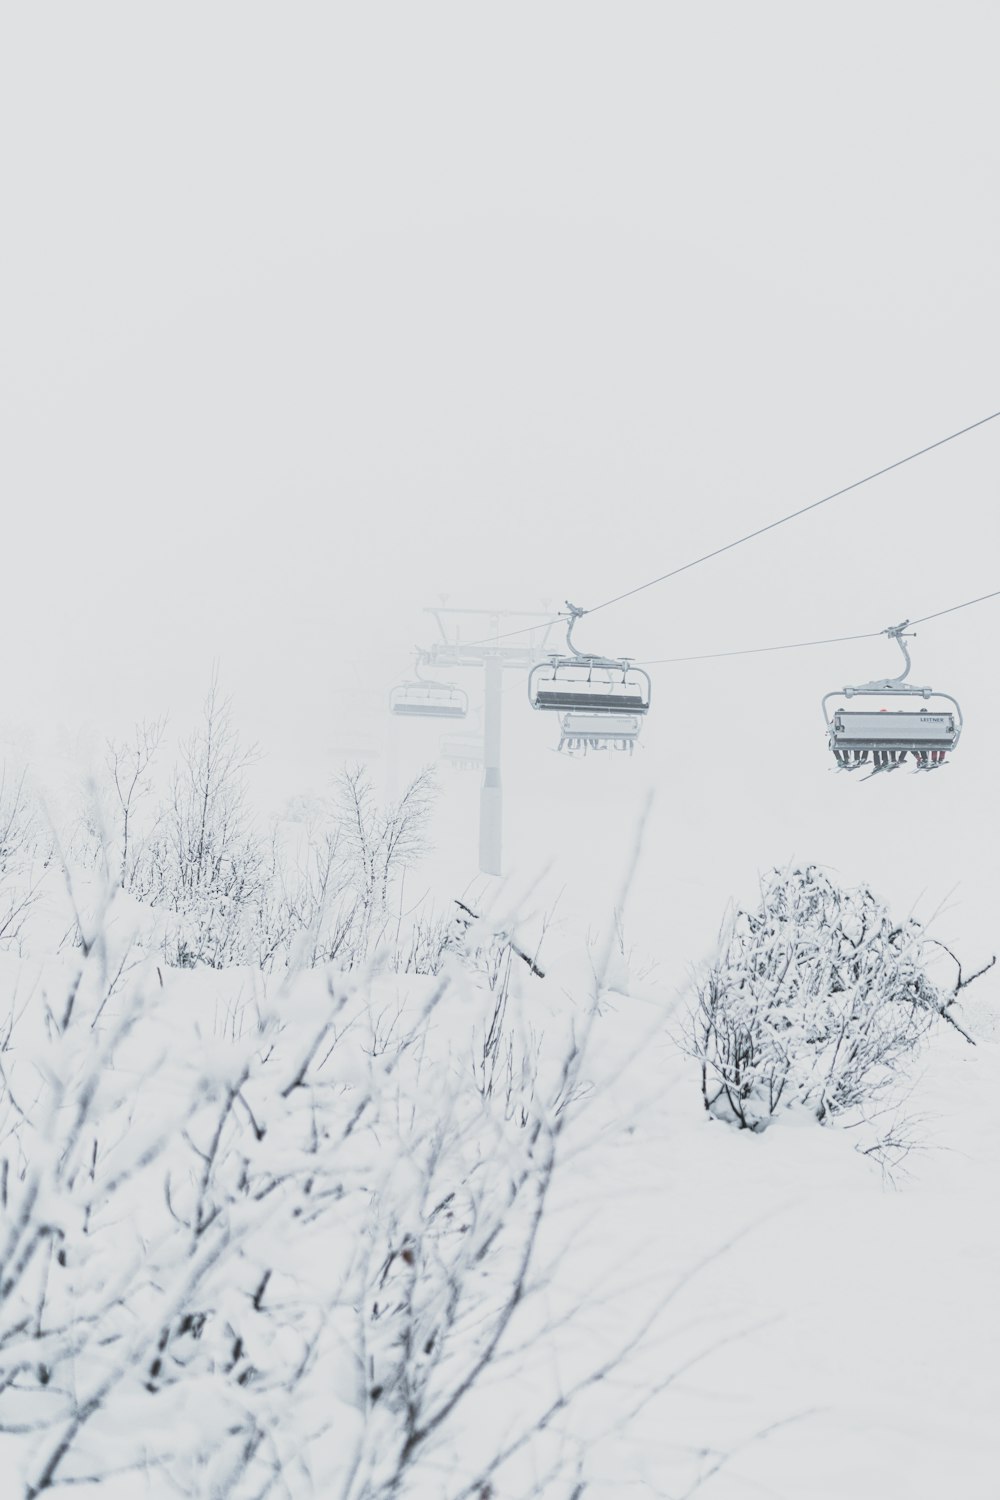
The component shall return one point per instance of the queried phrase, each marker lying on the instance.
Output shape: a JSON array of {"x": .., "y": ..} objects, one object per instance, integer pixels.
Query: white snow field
[
  {"x": 468, "y": 1233},
  {"x": 863, "y": 1311},
  {"x": 296, "y": 1226}
]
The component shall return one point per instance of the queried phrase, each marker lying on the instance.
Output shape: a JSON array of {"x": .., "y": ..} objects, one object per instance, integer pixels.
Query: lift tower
[{"x": 493, "y": 651}]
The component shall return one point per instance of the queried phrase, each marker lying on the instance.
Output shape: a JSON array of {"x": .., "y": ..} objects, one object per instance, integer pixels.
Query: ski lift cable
[
  {"x": 793, "y": 515},
  {"x": 952, "y": 608},
  {"x": 760, "y": 531},
  {"x": 833, "y": 640}
]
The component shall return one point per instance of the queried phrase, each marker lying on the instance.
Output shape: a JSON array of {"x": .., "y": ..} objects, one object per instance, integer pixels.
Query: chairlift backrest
[
  {"x": 576, "y": 682},
  {"x": 429, "y": 700},
  {"x": 592, "y": 685}
]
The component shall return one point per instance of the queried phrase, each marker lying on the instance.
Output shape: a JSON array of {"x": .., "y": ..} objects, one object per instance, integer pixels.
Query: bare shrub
[
  {"x": 325, "y": 887},
  {"x": 337, "y": 895},
  {"x": 380, "y": 843},
  {"x": 816, "y": 999},
  {"x": 506, "y": 1051},
  {"x": 423, "y": 944},
  {"x": 281, "y": 1256},
  {"x": 23, "y": 853},
  {"x": 129, "y": 765},
  {"x": 215, "y": 862}
]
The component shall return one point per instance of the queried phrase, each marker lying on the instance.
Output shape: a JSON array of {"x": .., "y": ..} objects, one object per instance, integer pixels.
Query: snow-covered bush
[
  {"x": 429, "y": 938},
  {"x": 213, "y": 863},
  {"x": 379, "y": 844},
  {"x": 336, "y": 895},
  {"x": 277, "y": 1252},
  {"x": 815, "y": 999},
  {"x": 229, "y": 893}
]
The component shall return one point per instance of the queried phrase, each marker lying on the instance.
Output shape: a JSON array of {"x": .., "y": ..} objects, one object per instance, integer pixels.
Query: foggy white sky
[{"x": 313, "y": 313}]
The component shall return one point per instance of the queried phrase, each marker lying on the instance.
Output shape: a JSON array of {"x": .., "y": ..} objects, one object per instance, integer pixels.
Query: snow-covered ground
[
  {"x": 848, "y": 1325},
  {"x": 779, "y": 1318}
]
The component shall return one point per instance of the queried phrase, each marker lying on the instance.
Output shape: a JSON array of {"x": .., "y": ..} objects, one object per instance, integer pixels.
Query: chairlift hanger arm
[
  {"x": 574, "y": 614},
  {"x": 891, "y": 684},
  {"x": 895, "y": 686},
  {"x": 589, "y": 658},
  {"x": 424, "y": 660}
]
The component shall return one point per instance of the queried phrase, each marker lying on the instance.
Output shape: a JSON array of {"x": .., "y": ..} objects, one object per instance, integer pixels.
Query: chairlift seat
[{"x": 463, "y": 750}]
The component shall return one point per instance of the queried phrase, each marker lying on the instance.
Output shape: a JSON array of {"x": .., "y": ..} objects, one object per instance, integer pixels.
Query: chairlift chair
[
  {"x": 466, "y": 752},
  {"x": 423, "y": 699},
  {"x": 881, "y": 739},
  {"x": 581, "y": 732},
  {"x": 577, "y": 682}
]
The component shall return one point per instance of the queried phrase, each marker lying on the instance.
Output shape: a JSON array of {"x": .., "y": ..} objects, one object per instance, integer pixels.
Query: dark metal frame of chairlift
[{"x": 549, "y": 693}]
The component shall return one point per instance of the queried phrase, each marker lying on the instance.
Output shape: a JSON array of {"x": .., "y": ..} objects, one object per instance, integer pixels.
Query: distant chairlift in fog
[
  {"x": 601, "y": 698},
  {"x": 356, "y": 746},
  {"x": 881, "y": 739},
  {"x": 421, "y": 698},
  {"x": 465, "y": 749},
  {"x": 580, "y": 733},
  {"x": 464, "y": 752}
]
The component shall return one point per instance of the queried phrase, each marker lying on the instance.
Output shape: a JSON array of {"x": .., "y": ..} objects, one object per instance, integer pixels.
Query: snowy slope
[
  {"x": 862, "y": 1316},
  {"x": 792, "y": 1324}
]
